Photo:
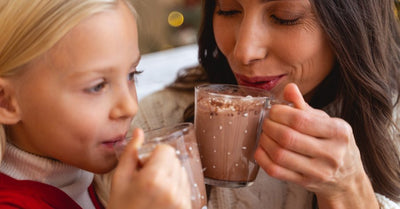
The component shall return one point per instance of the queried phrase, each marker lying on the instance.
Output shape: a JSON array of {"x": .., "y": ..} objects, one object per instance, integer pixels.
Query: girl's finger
[
  {"x": 128, "y": 161},
  {"x": 161, "y": 157}
]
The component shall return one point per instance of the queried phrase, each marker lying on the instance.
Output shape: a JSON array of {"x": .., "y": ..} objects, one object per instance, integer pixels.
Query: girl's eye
[
  {"x": 132, "y": 75},
  {"x": 282, "y": 21},
  {"x": 97, "y": 88},
  {"x": 227, "y": 13}
]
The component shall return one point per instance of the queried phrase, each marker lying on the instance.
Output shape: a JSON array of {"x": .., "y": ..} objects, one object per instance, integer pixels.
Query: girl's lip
[
  {"x": 267, "y": 82},
  {"x": 113, "y": 141}
]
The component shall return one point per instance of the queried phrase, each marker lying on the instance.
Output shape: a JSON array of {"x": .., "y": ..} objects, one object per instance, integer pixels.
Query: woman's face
[
  {"x": 270, "y": 43},
  {"x": 79, "y": 98}
]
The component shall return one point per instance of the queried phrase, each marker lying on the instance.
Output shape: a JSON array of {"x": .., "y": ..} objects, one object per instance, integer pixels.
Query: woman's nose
[
  {"x": 251, "y": 40},
  {"x": 126, "y": 105}
]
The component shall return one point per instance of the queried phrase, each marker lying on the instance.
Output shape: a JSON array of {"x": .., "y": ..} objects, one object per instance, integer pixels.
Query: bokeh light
[{"x": 175, "y": 19}]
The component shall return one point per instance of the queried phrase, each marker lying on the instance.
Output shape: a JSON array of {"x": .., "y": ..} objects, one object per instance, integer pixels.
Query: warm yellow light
[{"x": 175, "y": 19}]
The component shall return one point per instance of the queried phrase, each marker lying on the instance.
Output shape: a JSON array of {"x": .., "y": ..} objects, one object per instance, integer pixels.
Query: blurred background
[
  {"x": 167, "y": 41},
  {"x": 166, "y": 24}
]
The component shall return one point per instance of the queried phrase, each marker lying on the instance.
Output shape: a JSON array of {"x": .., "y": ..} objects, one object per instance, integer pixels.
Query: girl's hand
[
  {"x": 161, "y": 182},
  {"x": 308, "y": 147}
]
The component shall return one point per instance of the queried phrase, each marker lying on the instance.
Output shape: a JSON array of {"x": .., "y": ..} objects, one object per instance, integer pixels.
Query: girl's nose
[
  {"x": 126, "y": 105},
  {"x": 251, "y": 40}
]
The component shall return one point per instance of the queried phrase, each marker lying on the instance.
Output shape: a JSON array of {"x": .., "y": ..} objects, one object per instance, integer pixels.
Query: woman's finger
[
  {"x": 291, "y": 93},
  {"x": 291, "y": 139},
  {"x": 310, "y": 167},
  {"x": 314, "y": 123},
  {"x": 273, "y": 169}
]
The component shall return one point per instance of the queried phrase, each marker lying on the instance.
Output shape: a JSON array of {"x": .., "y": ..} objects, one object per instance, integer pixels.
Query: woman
[
  {"x": 344, "y": 57},
  {"x": 337, "y": 62}
]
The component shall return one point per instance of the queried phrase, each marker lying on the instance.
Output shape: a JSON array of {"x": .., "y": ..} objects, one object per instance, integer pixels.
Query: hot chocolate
[{"x": 227, "y": 129}]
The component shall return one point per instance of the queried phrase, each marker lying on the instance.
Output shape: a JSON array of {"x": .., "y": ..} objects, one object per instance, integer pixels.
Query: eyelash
[
  {"x": 276, "y": 19},
  {"x": 227, "y": 13},
  {"x": 284, "y": 21},
  {"x": 98, "y": 87},
  {"x": 132, "y": 76}
]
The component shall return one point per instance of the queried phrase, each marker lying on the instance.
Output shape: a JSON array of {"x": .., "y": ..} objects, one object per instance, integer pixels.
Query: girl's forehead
[{"x": 102, "y": 40}]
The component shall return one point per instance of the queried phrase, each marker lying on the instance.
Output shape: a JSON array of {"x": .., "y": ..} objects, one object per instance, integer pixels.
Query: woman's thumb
[{"x": 292, "y": 94}]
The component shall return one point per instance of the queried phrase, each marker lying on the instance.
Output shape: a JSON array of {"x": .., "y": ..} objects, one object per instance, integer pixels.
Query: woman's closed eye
[
  {"x": 282, "y": 21},
  {"x": 227, "y": 13}
]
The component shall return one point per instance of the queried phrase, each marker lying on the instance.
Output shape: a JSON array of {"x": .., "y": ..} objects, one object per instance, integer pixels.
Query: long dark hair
[{"x": 365, "y": 80}]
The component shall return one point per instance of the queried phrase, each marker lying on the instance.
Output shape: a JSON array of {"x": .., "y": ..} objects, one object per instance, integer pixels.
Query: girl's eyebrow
[{"x": 135, "y": 63}]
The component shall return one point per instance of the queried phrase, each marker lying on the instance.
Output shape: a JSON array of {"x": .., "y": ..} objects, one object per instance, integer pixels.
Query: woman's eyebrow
[{"x": 264, "y": 1}]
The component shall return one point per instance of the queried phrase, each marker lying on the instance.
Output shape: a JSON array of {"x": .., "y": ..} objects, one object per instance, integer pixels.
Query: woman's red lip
[
  {"x": 267, "y": 83},
  {"x": 257, "y": 79}
]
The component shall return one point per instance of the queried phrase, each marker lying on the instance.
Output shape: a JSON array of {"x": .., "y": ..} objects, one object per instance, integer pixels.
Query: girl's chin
[
  {"x": 101, "y": 165},
  {"x": 103, "y": 169}
]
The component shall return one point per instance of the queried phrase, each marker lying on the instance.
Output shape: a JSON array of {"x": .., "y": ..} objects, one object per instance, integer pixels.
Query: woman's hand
[
  {"x": 161, "y": 182},
  {"x": 308, "y": 147}
]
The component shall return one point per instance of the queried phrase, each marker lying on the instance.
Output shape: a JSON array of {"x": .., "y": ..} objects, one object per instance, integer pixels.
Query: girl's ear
[{"x": 9, "y": 109}]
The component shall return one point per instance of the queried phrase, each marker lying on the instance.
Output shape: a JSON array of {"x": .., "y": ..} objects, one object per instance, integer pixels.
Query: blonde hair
[{"x": 31, "y": 27}]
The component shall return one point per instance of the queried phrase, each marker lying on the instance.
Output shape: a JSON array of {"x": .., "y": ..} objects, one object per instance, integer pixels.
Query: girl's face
[
  {"x": 79, "y": 98},
  {"x": 270, "y": 43}
]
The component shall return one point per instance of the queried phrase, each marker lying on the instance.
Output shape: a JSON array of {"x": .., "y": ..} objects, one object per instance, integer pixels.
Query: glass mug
[
  {"x": 228, "y": 120},
  {"x": 182, "y": 137}
]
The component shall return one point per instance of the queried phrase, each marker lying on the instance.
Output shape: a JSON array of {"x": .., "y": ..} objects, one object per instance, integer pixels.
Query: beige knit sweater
[{"x": 166, "y": 107}]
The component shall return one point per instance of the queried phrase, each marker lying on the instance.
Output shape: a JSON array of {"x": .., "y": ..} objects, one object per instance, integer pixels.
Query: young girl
[{"x": 67, "y": 94}]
